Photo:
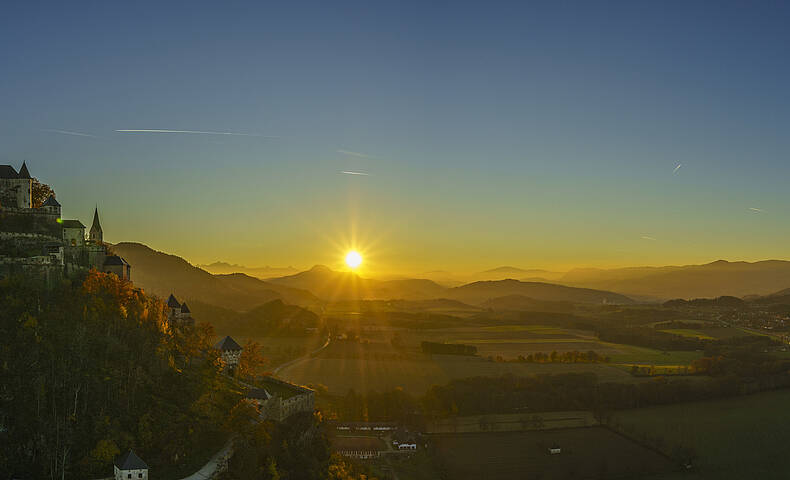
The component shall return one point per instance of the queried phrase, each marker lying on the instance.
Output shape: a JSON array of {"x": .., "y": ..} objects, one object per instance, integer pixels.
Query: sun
[{"x": 353, "y": 259}]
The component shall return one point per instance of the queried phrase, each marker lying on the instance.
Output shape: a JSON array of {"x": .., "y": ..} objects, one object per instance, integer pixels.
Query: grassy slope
[{"x": 743, "y": 437}]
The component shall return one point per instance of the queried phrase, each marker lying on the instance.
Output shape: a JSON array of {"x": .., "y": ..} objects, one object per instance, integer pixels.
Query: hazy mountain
[
  {"x": 716, "y": 279},
  {"x": 508, "y": 272},
  {"x": 224, "y": 268},
  {"x": 444, "y": 305},
  {"x": 162, "y": 274},
  {"x": 270, "y": 319},
  {"x": 333, "y": 286},
  {"x": 522, "y": 303},
  {"x": 479, "y": 292}
]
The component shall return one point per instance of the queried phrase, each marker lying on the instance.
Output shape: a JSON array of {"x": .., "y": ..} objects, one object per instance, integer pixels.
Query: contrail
[
  {"x": 67, "y": 132},
  {"x": 756, "y": 210},
  {"x": 198, "y": 132},
  {"x": 355, "y": 173},
  {"x": 677, "y": 168},
  {"x": 647, "y": 237},
  {"x": 355, "y": 154}
]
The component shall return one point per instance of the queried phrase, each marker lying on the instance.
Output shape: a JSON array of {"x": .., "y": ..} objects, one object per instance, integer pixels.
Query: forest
[{"x": 83, "y": 370}]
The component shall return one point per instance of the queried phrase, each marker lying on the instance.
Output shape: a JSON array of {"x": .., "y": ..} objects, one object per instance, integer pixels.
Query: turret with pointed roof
[
  {"x": 172, "y": 302},
  {"x": 51, "y": 206},
  {"x": 23, "y": 173},
  {"x": 96, "y": 235}
]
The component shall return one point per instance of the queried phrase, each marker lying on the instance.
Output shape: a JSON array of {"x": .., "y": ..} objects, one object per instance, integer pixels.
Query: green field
[
  {"x": 374, "y": 364},
  {"x": 586, "y": 453},
  {"x": 736, "y": 438},
  {"x": 632, "y": 355},
  {"x": 417, "y": 376},
  {"x": 709, "y": 333}
]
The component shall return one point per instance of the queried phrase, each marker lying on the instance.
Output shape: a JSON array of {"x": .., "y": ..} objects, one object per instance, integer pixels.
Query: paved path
[
  {"x": 303, "y": 357},
  {"x": 214, "y": 465}
]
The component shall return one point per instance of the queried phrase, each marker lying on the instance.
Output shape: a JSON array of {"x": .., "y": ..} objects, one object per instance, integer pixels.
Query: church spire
[{"x": 96, "y": 234}]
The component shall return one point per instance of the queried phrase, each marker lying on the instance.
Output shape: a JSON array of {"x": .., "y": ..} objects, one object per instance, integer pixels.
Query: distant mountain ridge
[
  {"x": 331, "y": 285},
  {"x": 161, "y": 273},
  {"x": 479, "y": 292},
  {"x": 711, "y": 280},
  {"x": 224, "y": 268}
]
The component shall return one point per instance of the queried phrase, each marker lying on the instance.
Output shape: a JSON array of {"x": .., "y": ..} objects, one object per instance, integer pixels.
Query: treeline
[
  {"x": 734, "y": 370},
  {"x": 90, "y": 369},
  {"x": 574, "y": 356},
  {"x": 722, "y": 302},
  {"x": 448, "y": 348}
]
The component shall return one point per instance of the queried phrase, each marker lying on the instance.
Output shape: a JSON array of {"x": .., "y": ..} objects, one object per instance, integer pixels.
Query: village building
[
  {"x": 130, "y": 466},
  {"x": 230, "y": 352}
]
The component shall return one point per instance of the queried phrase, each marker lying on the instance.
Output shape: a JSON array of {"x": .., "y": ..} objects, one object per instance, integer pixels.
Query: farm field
[
  {"x": 374, "y": 364},
  {"x": 735, "y": 438},
  {"x": 511, "y": 422},
  {"x": 587, "y": 453},
  {"x": 709, "y": 333},
  {"x": 416, "y": 373}
]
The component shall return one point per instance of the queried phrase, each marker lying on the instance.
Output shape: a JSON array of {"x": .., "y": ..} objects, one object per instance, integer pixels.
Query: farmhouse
[{"x": 130, "y": 466}]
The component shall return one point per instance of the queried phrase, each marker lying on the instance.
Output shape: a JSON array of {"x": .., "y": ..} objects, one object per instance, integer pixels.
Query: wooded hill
[{"x": 89, "y": 369}]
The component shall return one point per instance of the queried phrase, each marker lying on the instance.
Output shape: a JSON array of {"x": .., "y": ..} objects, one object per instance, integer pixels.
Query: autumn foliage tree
[
  {"x": 40, "y": 193},
  {"x": 251, "y": 363}
]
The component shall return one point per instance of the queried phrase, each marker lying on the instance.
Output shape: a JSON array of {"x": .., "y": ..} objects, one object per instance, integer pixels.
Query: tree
[
  {"x": 251, "y": 362},
  {"x": 40, "y": 193}
]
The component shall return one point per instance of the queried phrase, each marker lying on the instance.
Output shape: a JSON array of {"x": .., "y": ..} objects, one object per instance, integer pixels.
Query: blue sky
[{"x": 535, "y": 134}]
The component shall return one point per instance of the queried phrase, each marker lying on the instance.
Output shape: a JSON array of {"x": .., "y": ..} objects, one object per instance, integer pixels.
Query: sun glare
[{"x": 353, "y": 259}]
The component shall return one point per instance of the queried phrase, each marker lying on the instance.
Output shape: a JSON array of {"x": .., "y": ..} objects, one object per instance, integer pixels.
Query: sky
[{"x": 472, "y": 134}]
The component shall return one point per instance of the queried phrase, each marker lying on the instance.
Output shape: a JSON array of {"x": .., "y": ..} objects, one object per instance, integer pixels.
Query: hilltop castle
[{"x": 36, "y": 241}]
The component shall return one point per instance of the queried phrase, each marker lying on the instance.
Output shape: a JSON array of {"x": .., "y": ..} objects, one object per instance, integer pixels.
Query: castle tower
[
  {"x": 15, "y": 188},
  {"x": 23, "y": 172},
  {"x": 51, "y": 206},
  {"x": 96, "y": 235}
]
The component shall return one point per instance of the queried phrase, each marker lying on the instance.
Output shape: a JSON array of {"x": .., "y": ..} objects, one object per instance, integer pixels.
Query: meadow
[
  {"x": 734, "y": 438},
  {"x": 592, "y": 453},
  {"x": 373, "y": 363}
]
